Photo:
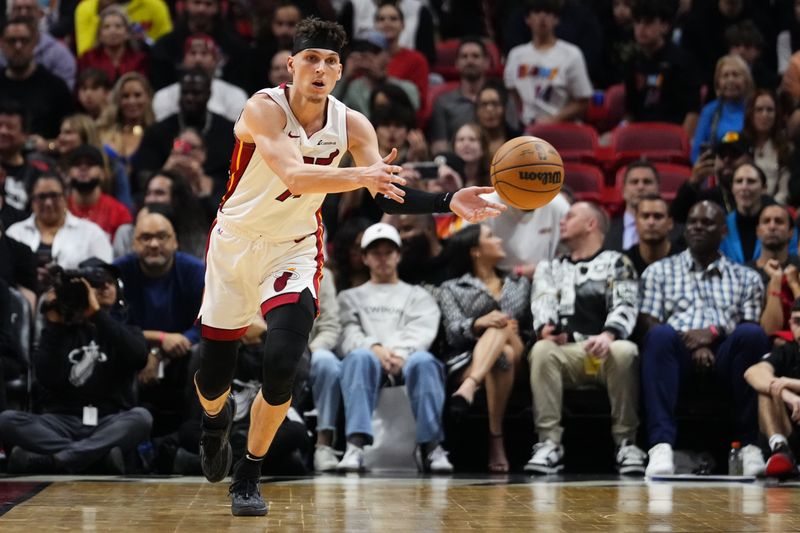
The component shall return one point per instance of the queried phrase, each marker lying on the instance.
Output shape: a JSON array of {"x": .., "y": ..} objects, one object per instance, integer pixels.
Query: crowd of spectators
[{"x": 116, "y": 132}]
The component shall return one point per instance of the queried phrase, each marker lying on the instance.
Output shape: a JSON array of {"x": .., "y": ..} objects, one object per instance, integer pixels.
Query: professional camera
[{"x": 72, "y": 297}]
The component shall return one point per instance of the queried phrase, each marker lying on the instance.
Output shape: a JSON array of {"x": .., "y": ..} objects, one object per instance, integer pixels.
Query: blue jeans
[
  {"x": 361, "y": 382},
  {"x": 665, "y": 359},
  {"x": 325, "y": 375}
]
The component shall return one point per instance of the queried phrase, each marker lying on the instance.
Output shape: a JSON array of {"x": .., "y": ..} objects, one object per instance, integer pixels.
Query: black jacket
[{"x": 93, "y": 363}]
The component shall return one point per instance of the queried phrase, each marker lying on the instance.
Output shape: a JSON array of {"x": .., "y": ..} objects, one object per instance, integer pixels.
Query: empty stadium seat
[
  {"x": 605, "y": 115},
  {"x": 584, "y": 180},
  {"x": 575, "y": 142},
  {"x": 658, "y": 141}
]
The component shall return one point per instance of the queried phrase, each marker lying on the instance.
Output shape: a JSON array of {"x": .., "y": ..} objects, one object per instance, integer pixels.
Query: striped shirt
[{"x": 678, "y": 291}]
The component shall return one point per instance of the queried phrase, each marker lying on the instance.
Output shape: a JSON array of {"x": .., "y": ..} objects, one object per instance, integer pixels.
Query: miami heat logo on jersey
[{"x": 259, "y": 200}]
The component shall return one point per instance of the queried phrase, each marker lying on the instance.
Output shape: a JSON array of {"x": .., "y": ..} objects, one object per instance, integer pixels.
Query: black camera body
[{"x": 72, "y": 296}]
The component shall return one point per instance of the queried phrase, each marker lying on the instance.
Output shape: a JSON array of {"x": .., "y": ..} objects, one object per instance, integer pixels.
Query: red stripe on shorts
[
  {"x": 219, "y": 334},
  {"x": 278, "y": 300},
  {"x": 320, "y": 235}
]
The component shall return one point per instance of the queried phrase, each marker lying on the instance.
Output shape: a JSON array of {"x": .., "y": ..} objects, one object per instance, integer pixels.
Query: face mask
[{"x": 84, "y": 187}]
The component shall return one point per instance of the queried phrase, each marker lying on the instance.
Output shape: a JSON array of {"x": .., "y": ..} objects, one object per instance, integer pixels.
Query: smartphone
[
  {"x": 706, "y": 147},
  {"x": 429, "y": 170}
]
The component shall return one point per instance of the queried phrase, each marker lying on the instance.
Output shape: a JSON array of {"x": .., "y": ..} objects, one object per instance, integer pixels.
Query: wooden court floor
[{"x": 421, "y": 505}]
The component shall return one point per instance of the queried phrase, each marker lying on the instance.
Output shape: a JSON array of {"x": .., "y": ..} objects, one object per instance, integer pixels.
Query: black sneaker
[
  {"x": 216, "y": 455},
  {"x": 21, "y": 461},
  {"x": 781, "y": 463},
  {"x": 246, "y": 498}
]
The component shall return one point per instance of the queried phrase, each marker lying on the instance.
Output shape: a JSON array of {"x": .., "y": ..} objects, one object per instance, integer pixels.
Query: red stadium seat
[
  {"x": 585, "y": 181},
  {"x": 447, "y": 51},
  {"x": 658, "y": 141},
  {"x": 605, "y": 115},
  {"x": 575, "y": 142},
  {"x": 670, "y": 175}
]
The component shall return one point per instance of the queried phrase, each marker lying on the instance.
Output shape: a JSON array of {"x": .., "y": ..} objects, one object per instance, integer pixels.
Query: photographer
[{"x": 85, "y": 364}]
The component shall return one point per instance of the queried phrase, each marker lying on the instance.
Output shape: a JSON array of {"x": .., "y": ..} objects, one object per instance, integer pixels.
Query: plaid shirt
[{"x": 679, "y": 292}]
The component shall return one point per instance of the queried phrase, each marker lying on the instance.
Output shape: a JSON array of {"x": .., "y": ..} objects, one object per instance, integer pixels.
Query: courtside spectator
[
  {"x": 325, "y": 373},
  {"x": 702, "y": 312},
  {"x": 583, "y": 322},
  {"x": 164, "y": 288},
  {"x": 486, "y": 318},
  {"x": 778, "y": 267},
  {"x": 85, "y": 363},
  {"x": 388, "y": 327},
  {"x": 776, "y": 379}
]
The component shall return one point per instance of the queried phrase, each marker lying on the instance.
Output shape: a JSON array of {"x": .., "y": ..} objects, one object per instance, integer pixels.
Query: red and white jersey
[{"x": 256, "y": 199}]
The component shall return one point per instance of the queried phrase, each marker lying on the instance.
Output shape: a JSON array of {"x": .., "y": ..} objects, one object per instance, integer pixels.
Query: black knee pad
[
  {"x": 217, "y": 366},
  {"x": 288, "y": 327}
]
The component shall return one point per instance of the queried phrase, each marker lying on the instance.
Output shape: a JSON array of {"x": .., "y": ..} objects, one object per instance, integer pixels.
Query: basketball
[{"x": 527, "y": 172}]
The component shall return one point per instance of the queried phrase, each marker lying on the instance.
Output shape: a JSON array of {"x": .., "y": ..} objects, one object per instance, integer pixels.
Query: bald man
[
  {"x": 164, "y": 288},
  {"x": 584, "y": 309},
  {"x": 702, "y": 312}
]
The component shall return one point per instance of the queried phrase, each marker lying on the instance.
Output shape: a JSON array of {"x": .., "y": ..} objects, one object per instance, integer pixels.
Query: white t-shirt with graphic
[{"x": 546, "y": 80}]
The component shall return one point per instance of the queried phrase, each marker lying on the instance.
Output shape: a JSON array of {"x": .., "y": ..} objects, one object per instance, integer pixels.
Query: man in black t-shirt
[
  {"x": 660, "y": 81},
  {"x": 777, "y": 380}
]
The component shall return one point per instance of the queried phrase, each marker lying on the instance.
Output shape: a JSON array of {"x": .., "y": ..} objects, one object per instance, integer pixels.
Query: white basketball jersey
[{"x": 257, "y": 200}]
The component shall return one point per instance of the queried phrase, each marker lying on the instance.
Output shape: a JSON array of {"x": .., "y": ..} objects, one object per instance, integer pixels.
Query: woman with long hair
[
  {"x": 763, "y": 125},
  {"x": 485, "y": 313},
  {"x": 128, "y": 113},
  {"x": 490, "y": 115},
  {"x": 116, "y": 51},
  {"x": 734, "y": 85},
  {"x": 472, "y": 146}
]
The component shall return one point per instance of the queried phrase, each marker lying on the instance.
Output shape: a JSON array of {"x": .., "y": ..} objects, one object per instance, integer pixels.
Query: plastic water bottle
[{"x": 735, "y": 459}]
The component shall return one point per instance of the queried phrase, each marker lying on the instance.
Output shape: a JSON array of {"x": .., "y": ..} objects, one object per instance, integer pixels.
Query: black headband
[{"x": 318, "y": 41}]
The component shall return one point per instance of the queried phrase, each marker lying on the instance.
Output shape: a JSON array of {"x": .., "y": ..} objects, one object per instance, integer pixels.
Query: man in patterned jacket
[
  {"x": 584, "y": 308},
  {"x": 702, "y": 311}
]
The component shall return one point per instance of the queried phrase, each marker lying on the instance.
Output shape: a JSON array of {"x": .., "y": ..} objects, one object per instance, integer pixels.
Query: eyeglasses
[
  {"x": 161, "y": 236},
  {"x": 21, "y": 40},
  {"x": 42, "y": 197}
]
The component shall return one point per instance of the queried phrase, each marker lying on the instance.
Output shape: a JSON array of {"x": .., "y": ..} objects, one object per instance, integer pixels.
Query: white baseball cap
[{"x": 380, "y": 231}]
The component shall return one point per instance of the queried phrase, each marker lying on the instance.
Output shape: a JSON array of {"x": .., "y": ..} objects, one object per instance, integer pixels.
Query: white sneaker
[
  {"x": 325, "y": 458},
  {"x": 353, "y": 460},
  {"x": 752, "y": 461},
  {"x": 661, "y": 462},
  {"x": 437, "y": 462},
  {"x": 631, "y": 460},
  {"x": 547, "y": 458}
]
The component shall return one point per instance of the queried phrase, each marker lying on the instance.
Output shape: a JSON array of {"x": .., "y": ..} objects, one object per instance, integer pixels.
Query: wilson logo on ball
[{"x": 545, "y": 177}]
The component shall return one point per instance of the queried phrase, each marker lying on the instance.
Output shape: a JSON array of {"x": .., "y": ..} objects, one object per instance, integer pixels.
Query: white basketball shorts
[{"x": 246, "y": 274}]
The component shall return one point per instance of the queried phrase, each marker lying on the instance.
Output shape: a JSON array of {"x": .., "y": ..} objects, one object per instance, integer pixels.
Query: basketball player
[{"x": 265, "y": 248}]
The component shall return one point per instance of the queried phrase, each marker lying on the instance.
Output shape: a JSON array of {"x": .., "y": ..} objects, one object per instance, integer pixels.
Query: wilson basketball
[{"x": 527, "y": 172}]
